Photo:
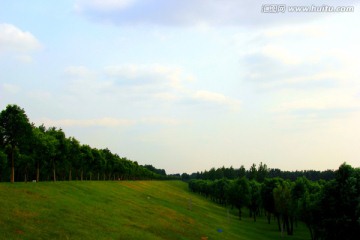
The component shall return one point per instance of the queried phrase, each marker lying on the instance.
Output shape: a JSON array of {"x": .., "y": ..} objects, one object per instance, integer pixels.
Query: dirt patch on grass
[
  {"x": 23, "y": 214},
  {"x": 138, "y": 186},
  {"x": 19, "y": 232}
]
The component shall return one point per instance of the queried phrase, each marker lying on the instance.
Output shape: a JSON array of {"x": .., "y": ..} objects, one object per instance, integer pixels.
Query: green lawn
[{"x": 122, "y": 210}]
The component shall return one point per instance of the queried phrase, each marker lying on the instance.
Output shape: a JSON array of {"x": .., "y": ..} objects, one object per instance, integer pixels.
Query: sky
[{"x": 187, "y": 85}]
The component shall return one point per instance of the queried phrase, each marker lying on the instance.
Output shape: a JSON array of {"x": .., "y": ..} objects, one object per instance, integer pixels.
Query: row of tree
[
  {"x": 258, "y": 173},
  {"x": 38, "y": 153},
  {"x": 330, "y": 209}
]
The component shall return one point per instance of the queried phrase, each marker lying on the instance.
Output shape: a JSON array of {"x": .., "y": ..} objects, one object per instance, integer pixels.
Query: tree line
[
  {"x": 258, "y": 173},
  {"x": 329, "y": 208},
  {"x": 29, "y": 152}
]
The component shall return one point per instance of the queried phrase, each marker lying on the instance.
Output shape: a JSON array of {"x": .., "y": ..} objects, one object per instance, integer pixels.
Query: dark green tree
[
  {"x": 3, "y": 163},
  {"x": 267, "y": 198},
  {"x": 15, "y": 132},
  {"x": 238, "y": 194},
  {"x": 254, "y": 198},
  {"x": 253, "y": 172},
  {"x": 283, "y": 205},
  {"x": 262, "y": 172},
  {"x": 241, "y": 172},
  {"x": 340, "y": 205}
]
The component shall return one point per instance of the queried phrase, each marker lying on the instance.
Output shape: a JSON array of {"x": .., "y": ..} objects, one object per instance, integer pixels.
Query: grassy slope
[{"x": 121, "y": 210}]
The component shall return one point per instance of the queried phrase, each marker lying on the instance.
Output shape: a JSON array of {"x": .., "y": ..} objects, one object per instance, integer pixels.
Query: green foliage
[
  {"x": 329, "y": 209},
  {"x": 155, "y": 170},
  {"x": 267, "y": 196},
  {"x": 14, "y": 126},
  {"x": 255, "y": 199},
  {"x": 284, "y": 205},
  {"x": 47, "y": 154},
  {"x": 238, "y": 194},
  {"x": 261, "y": 173},
  {"x": 15, "y": 132},
  {"x": 339, "y": 206},
  {"x": 3, "y": 164}
]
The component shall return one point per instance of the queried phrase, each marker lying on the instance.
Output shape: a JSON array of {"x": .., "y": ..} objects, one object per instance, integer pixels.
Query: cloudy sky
[{"x": 187, "y": 85}]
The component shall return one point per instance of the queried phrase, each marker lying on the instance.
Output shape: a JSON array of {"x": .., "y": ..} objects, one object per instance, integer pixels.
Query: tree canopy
[
  {"x": 330, "y": 209},
  {"x": 29, "y": 152}
]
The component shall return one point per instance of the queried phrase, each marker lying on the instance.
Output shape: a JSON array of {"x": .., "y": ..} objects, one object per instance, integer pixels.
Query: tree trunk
[
  {"x": 240, "y": 213},
  {"x": 12, "y": 178},
  {"x": 70, "y": 177},
  {"x": 54, "y": 173},
  {"x": 311, "y": 232},
  {"x": 81, "y": 174},
  {"x": 278, "y": 220},
  {"x": 38, "y": 172},
  {"x": 287, "y": 225},
  {"x": 291, "y": 225}
]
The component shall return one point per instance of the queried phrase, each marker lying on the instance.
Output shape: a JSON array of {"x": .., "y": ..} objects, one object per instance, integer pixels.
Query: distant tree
[
  {"x": 85, "y": 161},
  {"x": 211, "y": 174},
  {"x": 252, "y": 172},
  {"x": 230, "y": 173},
  {"x": 262, "y": 172},
  {"x": 241, "y": 172},
  {"x": 306, "y": 195},
  {"x": 220, "y": 187},
  {"x": 44, "y": 148},
  {"x": 254, "y": 198},
  {"x": 74, "y": 156},
  {"x": 15, "y": 131},
  {"x": 3, "y": 163},
  {"x": 185, "y": 177},
  {"x": 59, "y": 149},
  {"x": 283, "y": 205},
  {"x": 267, "y": 197},
  {"x": 155, "y": 170},
  {"x": 219, "y": 173},
  {"x": 97, "y": 163},
  {"x": 238, "y": 194},
  {"x": 340, "y": 204}
]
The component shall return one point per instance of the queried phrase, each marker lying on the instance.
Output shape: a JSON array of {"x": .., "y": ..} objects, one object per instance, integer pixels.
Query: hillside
[{"x": 121, "y": 210}]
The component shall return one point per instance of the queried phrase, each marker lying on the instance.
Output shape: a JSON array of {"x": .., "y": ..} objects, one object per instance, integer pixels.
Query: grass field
[{"x": 122, "y": 210}]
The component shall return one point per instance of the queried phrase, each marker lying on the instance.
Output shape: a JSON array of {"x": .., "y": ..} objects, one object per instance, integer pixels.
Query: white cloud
[
  {"x": 330, "y": 99},
  {"x": 304, "y": 56},
  {"x": 101, "y": 122},
  {"x": 282, "y": 54},
  {"x": 162, "y": 121},
  {"x": 164, "y": 96},
  {"x": 13, "y": 39},
  {"x": 192, "y": 12},
  {"x": 311, "y": 79},
  {"x": 78, "y": 72},
  {"x": 10, "y": 88},
  {"x": 110, "y": 122},
  {"x": 217, "y": 98},
  {"x": 142, "y": 74},
  {"x": 24, "y": 58},
  {"x": 141, "y": 83},
  {"x": 102, "y": 5},
  {"x": 314, "y": 31}
]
